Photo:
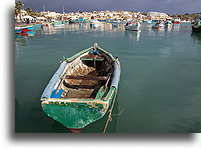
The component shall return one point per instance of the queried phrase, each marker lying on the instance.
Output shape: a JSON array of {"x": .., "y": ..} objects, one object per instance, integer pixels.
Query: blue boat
[
  {"x": 18, "y": 31},
  {"x": 31, "y": 28}
]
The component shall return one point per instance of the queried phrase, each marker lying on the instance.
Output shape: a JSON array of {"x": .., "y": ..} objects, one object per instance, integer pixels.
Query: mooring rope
[{"x": 110, "y": 114}]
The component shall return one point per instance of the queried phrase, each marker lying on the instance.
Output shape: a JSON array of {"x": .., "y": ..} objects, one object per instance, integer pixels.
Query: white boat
[
  {"x": 95, "y": 23},
  {"x": 168, "y": 24},
  {"x": 58, "y": 24},
  {"x": 134, "y": 26},
  {"x": 158, "y": 26}
]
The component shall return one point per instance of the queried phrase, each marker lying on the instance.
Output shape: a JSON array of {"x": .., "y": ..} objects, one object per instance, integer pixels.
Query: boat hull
[
  {"x": 158, "y": 26},
  {"x": 18, "y": 31},
  {"x": 196, "y": 29},
  {"x": 132, "y": 28},
  {"x": 75, "y": 113},
  {"x": 176, "y": 22},
  {"x": 31, "y": 28},
  {"x": 76, "y": 21},
  {"x": 24, "y": 30}
]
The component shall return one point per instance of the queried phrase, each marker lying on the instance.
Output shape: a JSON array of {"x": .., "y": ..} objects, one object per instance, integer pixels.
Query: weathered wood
[
  {"x": 92, "y": 57},
  {"x": 101, "y": 78}
]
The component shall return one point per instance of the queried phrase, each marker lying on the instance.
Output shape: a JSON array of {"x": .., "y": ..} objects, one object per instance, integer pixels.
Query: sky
[{"x": 167, "y": 6}]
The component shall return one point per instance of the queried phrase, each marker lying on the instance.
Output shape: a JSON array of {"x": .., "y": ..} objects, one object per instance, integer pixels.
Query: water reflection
[
  {"x": 196, "y": 37},
  {"x": 36, "y": 53},
  {"x": 133, "y": 35},
  {"x": 168, "y": 29},
  {"x": 25, "y": 35},
  {"x": 19, "y": 50},
  {"x": 176, "y": 27}
]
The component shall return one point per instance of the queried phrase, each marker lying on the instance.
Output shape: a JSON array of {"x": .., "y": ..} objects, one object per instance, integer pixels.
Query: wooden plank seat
[
  {"x": 81, "y": 86},
  {"x": 101, "y": 78},
  {"x": 92, "y": 57}
]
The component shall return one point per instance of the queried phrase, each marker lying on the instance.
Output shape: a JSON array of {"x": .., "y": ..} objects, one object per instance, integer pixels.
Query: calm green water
[{"x": 159, "y": 87}]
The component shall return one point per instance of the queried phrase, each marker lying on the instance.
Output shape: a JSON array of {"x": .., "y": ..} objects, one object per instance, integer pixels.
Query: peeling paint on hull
[{"x": 77, "y": 114}]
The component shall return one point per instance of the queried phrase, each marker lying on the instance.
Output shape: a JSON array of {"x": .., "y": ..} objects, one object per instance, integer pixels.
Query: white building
[{"x": 157, "y": 15}]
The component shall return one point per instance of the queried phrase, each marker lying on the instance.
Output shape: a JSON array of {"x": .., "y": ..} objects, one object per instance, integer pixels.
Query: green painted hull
[{"x": 77, "y": 113}]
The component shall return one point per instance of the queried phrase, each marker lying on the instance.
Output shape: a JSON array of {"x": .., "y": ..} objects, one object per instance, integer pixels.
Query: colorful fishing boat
[
  {"x": 18, "y": 30},
  {"x": 24, "y": 29},
  {"x": 177, "y": 21},
  {"x": 82, "y": 89},
  {"x": 132, "y": 25},
  {"x": 58, "y": 24},
  {"x": 79, "y": 20},
  {"x": 158, "y": 25},
  {"x": 30, "y": 28},
  {"x": 95, "y": 23},
  {"x": 168, "y": 24}
]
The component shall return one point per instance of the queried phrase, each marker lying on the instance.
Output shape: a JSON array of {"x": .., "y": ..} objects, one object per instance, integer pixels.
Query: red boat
[
  {"x": 177, "y": 21},
  {"x": 24, "y": 30}
]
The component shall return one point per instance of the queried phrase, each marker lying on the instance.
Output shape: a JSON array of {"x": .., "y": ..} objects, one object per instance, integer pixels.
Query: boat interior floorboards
[{"x": 81, "y": 88}]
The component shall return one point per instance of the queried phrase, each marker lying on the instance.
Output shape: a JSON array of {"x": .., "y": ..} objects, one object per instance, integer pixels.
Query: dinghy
[
  {"x": 82, "y": 89},
  {"x": 134, "y": 26}
]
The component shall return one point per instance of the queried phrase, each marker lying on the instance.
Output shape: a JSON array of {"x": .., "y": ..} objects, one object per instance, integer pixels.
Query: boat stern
[{"x": 73, "y": 113}]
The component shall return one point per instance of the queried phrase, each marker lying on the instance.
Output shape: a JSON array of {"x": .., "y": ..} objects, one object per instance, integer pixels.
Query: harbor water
[{"x": 159, "y": 90}]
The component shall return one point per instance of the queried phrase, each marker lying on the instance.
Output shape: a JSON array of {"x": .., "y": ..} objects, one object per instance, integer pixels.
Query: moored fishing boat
[
  {"x": 177, "y": 21},
  {"x": 196, "y": 25},
  {"x": 168, "y": 24},
  {"x": 58, "y": 24},
  {"x": 30, "y": 28},
  {"x": 82, "y": 89},
  {"x": 134, "y": 26},
  {"x": 158, "y": 25},
  {"x": 24, "y": 29},
  {"x": 79, "y": 20},
  {"x": 95, "y": 23},
  {"x": 18, "y": 30}
]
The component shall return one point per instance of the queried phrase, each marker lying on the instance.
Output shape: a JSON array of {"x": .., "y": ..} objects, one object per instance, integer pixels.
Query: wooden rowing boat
[{"x": 82, "y": 89}]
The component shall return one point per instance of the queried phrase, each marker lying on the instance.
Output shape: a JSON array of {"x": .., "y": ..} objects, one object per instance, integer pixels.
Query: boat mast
[
  {"x": 63, "y": 10},
  {"x": 43, "y": 7}
]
